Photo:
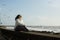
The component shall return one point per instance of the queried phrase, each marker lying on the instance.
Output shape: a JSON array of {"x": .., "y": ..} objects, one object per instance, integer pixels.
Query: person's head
[{"x": 18, "y": 17}]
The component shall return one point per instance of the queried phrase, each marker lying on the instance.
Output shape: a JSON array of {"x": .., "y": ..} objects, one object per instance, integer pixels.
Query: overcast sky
[{"x": 34, "y": 12}]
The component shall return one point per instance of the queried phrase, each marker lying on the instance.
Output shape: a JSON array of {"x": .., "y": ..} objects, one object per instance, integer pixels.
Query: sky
[{"x": 34, "y": 12}]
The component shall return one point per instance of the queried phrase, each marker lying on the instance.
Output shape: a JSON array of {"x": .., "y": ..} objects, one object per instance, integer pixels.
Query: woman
[{"x": 20, "y": 26}]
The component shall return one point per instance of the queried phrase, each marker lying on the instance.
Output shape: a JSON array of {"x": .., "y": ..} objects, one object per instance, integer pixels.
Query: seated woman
[{"x": 20, "y": 26}]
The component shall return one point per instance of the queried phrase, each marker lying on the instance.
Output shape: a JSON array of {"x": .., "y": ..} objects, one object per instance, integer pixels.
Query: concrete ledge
[{"x": 8, "y": 34}]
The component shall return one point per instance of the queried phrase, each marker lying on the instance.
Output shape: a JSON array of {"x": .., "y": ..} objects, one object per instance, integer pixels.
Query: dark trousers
[
  {"x": 18, "y": 29},
  {"x": 21, "y": 28}
]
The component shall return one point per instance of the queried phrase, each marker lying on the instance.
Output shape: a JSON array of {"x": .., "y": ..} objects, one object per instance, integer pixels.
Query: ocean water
[{"x": 55, "y": 29}]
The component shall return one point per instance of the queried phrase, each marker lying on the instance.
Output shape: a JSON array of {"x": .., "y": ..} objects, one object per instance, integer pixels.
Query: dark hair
[{"x": 17, "y": 16}]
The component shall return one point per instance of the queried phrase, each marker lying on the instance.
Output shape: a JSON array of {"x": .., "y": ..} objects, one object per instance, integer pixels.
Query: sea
[{"x": 55, "y": 29}]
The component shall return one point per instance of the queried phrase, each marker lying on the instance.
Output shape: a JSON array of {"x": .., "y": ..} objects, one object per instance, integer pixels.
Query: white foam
[{"x": 39, "y": 29}]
